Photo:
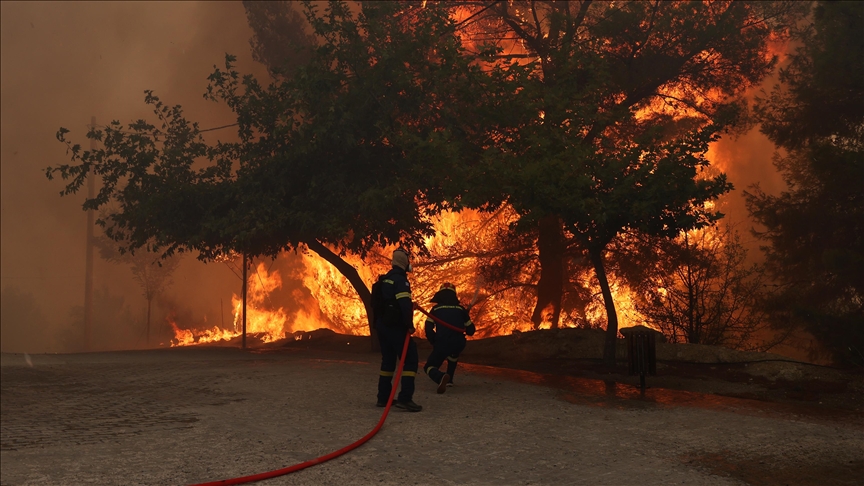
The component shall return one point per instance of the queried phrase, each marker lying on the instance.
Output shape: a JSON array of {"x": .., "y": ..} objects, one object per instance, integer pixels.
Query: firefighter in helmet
[
  {"x": 446, "y": 343},
  {"x": 394, "y": 323}
]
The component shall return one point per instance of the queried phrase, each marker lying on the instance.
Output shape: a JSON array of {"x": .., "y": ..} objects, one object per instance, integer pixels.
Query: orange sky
[{"x": 63, "y": 62}]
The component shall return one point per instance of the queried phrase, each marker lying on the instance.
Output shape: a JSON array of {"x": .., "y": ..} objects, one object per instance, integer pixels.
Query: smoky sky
[{"x": 63, "y": 62}]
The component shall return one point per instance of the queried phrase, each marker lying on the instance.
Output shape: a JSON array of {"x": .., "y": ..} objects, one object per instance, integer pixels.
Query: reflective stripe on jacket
[{"x": 396, "y": 287}]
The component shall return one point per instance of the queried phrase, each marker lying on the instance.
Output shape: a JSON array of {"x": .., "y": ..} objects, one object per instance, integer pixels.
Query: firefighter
[
  {"x": 393, "y": 324},
  {"x": 446, "y": 343}
]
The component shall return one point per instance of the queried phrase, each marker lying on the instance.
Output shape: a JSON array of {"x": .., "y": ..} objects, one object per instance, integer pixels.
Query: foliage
[
  {"x": 814, "y": 230},
  {"x": 606, "y": 118},
  {"x": 357, "y": 131},
  {"x": 705, "y": 294},
  {"x": 347, "y": 152},
  {"x": 165, "y": 200},
  {"x": 350, "y": 152},
  {"x": 819, "y": 94},
  {"x": 280, "y": 40}
]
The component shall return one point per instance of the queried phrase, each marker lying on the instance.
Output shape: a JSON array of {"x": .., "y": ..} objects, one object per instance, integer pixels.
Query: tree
[
  {"x": 343, "y": 156},
  {"x": 150, "y": 270},
  {"x": 280, "y": 40},
  {"x": 360, "y": 163},
  {"x": 607, "y": 117},
  {"x": 704, "y": 293},
  {"x": 814, "y": 231}
]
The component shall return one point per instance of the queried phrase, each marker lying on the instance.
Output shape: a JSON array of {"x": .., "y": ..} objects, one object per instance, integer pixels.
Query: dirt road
[{"x": 188, "y": 415}]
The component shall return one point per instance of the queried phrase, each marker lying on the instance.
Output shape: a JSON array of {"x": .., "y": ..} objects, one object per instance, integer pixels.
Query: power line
[
  {"x": 199, "y": 131},
  {"x": 218, "y": 128}
]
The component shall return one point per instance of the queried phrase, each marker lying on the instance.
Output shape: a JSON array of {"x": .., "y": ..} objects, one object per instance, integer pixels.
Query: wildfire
[
  {"x": 187, "y": 337},
  {"x": 263, "y": 319},
  {"x": 335, "y": 296},
  {"x": 271, "y": 323},
  {"x": 457, "y": 254}
]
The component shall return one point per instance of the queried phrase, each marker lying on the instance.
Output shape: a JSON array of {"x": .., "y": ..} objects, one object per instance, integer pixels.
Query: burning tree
[
  {"x": 346, "y": 155},
  {"x": 587, "y": 118},
  {"x": 607, "y": 115},
  {"x": 700, "y": 290}
]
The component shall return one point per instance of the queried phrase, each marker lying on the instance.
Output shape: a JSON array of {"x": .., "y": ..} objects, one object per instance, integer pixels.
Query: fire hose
[
  {"x": 439, "y": 321},
  {"x": 318, "y": 460},
  {"x": 325, "y": 458}
]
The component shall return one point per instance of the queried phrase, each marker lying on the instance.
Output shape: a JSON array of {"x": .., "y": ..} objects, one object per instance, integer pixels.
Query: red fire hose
[
  {"x": 439, "y": 321},
  {"x": 350, "y": 447},
  {"x": 319, "y": 460}
]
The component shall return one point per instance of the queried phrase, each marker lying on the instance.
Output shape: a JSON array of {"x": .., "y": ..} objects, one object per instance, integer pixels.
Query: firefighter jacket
[
  {"x": 396, "y": 289},
  {"x": 450, "y": 311}
]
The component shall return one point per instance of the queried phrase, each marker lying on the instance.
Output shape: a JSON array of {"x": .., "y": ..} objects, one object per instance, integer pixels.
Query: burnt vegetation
[{"x": 570, "y": 135}]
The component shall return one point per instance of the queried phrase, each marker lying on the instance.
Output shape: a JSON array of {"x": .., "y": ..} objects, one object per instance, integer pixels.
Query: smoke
[
  {"x": 63, "y": 62},
  {"x": 747, "y": 158}
]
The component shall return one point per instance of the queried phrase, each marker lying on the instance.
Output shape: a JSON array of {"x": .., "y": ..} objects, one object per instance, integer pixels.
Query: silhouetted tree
[
  {"x": 703, "y": 292},
  {"x": 609, "y": 110},
  {"x": 814, "y": 230},
  {"x": 149, "y": 269},
  {"x": 597, "y": 125},
  {"x": 280, "y": 40},
  {"x": 345, "y": 155}
]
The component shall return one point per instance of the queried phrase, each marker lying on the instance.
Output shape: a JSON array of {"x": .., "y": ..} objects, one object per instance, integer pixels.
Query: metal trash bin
[{"x": 641, "y": 352}]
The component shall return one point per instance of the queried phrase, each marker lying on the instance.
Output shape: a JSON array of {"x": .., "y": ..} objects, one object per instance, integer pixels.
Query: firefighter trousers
[
  {"x": 443, "y": 350},
  {"x": 392, "y": 340}
]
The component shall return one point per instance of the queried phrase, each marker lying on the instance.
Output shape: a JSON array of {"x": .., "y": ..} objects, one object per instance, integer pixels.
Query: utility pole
[
  {"x": 88, "y": 272},
  {"x": 245, "y": 279}
]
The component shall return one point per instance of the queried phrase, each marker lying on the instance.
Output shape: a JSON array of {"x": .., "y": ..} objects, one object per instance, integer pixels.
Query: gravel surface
[{"x": 189, "y": 415}]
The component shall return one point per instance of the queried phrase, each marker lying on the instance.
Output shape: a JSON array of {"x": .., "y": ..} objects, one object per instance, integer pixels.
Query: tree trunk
[
  {"x": 611, "y": 315},
  {"x": 245, "y": 288},
  {"x": 149, "y": 302},
  {"x": 550, "y": 288},
  {"x": 354, "y": 279}
]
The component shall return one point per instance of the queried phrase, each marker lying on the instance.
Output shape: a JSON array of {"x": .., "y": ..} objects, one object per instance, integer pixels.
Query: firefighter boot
[
  {"x": 442, "y": 385},
  {"x": 408, "y": 405}
]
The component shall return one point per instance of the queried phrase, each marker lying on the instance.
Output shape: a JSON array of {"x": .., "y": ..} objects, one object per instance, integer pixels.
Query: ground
[{"x": 522, "y": 412}]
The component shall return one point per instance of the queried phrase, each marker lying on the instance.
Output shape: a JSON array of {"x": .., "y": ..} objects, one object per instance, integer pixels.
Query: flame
[
  {"x": 270, "y": 323},
  {"x": 188, "y": 337},
  {"x": 462, "y": 245},
  {"x": 457, "y": 253},
  {"x": 264, "y": 320},
  {"x": 336, "y": 298}
]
